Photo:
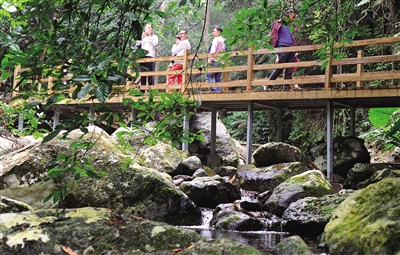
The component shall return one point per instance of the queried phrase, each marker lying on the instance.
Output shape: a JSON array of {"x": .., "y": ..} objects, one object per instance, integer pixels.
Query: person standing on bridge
[
  {"x": 217, "y": 45},
  {"x": 179, "y": 50},
  {"x": 282, "y": 36},
  {"x": 149, "y": 43},
  {"x": 174, "y": 66}
]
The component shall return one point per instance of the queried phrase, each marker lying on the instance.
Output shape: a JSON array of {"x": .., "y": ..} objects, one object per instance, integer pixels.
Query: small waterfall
[{"x": 206, "y": 217}]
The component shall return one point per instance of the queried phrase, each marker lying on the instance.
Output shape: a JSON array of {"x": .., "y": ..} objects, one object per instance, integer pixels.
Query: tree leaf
[{"x": 379, "y": 117}]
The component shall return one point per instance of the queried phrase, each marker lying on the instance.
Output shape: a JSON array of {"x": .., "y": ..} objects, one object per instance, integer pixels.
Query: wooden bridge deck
[{"x": 344, "y": 90}]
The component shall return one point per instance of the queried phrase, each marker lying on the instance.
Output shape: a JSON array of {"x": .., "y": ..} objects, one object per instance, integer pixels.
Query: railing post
[
  {"x": 250, "y": 65},
  {"x": 129, "y": 83},
  {"x": 49, "y": 84},
  {"x": 328, "y": 75},
  {"x": 15, "y": 80},
  {"x": 185, "y": 75},
  {"x": 360, "y": 68},
  {"x": 225, "y": 78}
]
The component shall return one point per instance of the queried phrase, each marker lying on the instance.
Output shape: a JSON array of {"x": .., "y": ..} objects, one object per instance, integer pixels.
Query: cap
[{"x": 178, "y": 36}]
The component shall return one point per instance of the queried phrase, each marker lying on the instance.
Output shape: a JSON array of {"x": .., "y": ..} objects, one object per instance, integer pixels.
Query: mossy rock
[
  {"x": 368, "y": 222},
  {"x": 101, "y": 231}
]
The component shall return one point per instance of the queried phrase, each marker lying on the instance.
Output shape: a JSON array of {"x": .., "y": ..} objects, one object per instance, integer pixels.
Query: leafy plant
[
  {"x": 71, "y": 166},
  {"x": 388, "y": 123}
]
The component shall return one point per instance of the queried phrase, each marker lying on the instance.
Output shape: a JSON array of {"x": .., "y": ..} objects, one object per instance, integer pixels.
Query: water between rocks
[{"x": 264, "y": 241}]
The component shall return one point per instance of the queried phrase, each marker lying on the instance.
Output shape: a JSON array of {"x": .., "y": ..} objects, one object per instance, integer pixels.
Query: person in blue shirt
[{"x": 282, "y": 36}]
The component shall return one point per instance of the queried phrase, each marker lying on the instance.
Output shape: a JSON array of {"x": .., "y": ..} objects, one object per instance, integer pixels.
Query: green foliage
[
  {"x": 380, "y": 117},
  {"x": 171, "y": 109},
  {"x": 264, "y": 129},
  {"x": 387, "y": 122},
  {"x": 29, "y": 113},
  {"x": 70, "y": 166},
  {"x": 99, "y": 38}
]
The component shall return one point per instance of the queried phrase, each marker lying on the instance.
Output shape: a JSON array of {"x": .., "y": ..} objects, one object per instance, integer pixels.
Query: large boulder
[
  {"x": 309, "y": 215},
  {"x": 9, "y": 144},
  {"x": 210, "y": 191},
  {"x": 276, "y": 153},
  {"x": 134, "y": 137},
  {"x": 362, "y": 172},
  {"x": 102, "y": 231},
  {"x": 262, "y": 179},
  {"x": 29, "y": 165},
  {"x": 312, "y": 183},
  {"x": 347, "y": 151},
  {"x": 136, "y": 189},
  {"x": 139, "y": 190},
  {"x": 225, "y": 146},
  {"x": 368, "y": 222},
  {"x": 164, "y": 158}
]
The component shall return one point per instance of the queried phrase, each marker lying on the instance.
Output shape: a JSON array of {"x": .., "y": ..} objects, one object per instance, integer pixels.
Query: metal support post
[
  {"x": 213, "y": 131},
  {"x": 279, "y": 133},
  {"x": 249, "y": 138},
  {"x": 352, "y": 122},
  {"x": 91, "y": 113},
  {"x": 329, "y": 141},
  {"x": 185, "y": 145},
  {"x": 56, "y": 119}
]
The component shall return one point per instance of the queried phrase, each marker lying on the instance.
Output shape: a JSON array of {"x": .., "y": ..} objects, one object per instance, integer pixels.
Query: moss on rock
[{"x": 367, "y": 222}]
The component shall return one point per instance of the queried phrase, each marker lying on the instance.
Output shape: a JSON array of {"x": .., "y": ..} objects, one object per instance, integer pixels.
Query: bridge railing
[
  {"x": 325, "y": 79},
  {"x": 194, "y": 69}
]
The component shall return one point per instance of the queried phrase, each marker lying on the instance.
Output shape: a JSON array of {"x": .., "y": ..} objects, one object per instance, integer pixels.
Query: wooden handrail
[{"x": 250, "y": 67}]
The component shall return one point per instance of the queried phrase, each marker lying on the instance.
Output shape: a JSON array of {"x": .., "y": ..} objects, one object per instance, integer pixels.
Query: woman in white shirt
[{"x": 149, "y": 43}]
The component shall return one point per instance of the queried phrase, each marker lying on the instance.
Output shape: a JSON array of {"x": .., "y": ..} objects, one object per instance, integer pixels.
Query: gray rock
[
  {"x": 263, "y": 179},
  {"x": 310, "y": 183},
  {"x": 361, "y": 172},
  {"x": 309, "y": 216},
  {"x": 229, "y": 171},
  {"x": 227, "y": 217},
  {"x": 200, "y": 173},
  {"x": 164, "y": 158},
  {"x": 347, "y": 151},
  {"x": 277, "y": 153},
  {"x": 191, "y": 164},
  {"x": 210, "y": 191},
  {"x": 102, "y": 231},
  {"x": 292, "y": 245},
  {"x": 225, "y": 146}
]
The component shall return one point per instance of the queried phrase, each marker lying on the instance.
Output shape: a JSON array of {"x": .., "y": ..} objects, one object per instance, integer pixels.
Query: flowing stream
[{"x": 264, "y": 241}]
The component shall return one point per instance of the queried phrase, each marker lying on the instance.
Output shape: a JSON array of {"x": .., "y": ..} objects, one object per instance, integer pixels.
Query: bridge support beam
[
  {"x": 329, "y": 141},
  {"x": 185, "y": 145},
  {"x": 56, "y": 119},
  {"x": 213, "y": 160},
  {"x": 279, "y": 133},
  {"x": 249, "y": 138}
]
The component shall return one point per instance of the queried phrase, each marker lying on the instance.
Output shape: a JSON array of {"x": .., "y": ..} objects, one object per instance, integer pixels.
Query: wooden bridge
[
  {"x": 360, "y": 88},
  {"x": 344, "y": 89}
]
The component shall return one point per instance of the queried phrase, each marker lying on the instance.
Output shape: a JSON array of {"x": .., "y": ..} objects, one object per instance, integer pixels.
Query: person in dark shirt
[{"x": 282, "y": 36}]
